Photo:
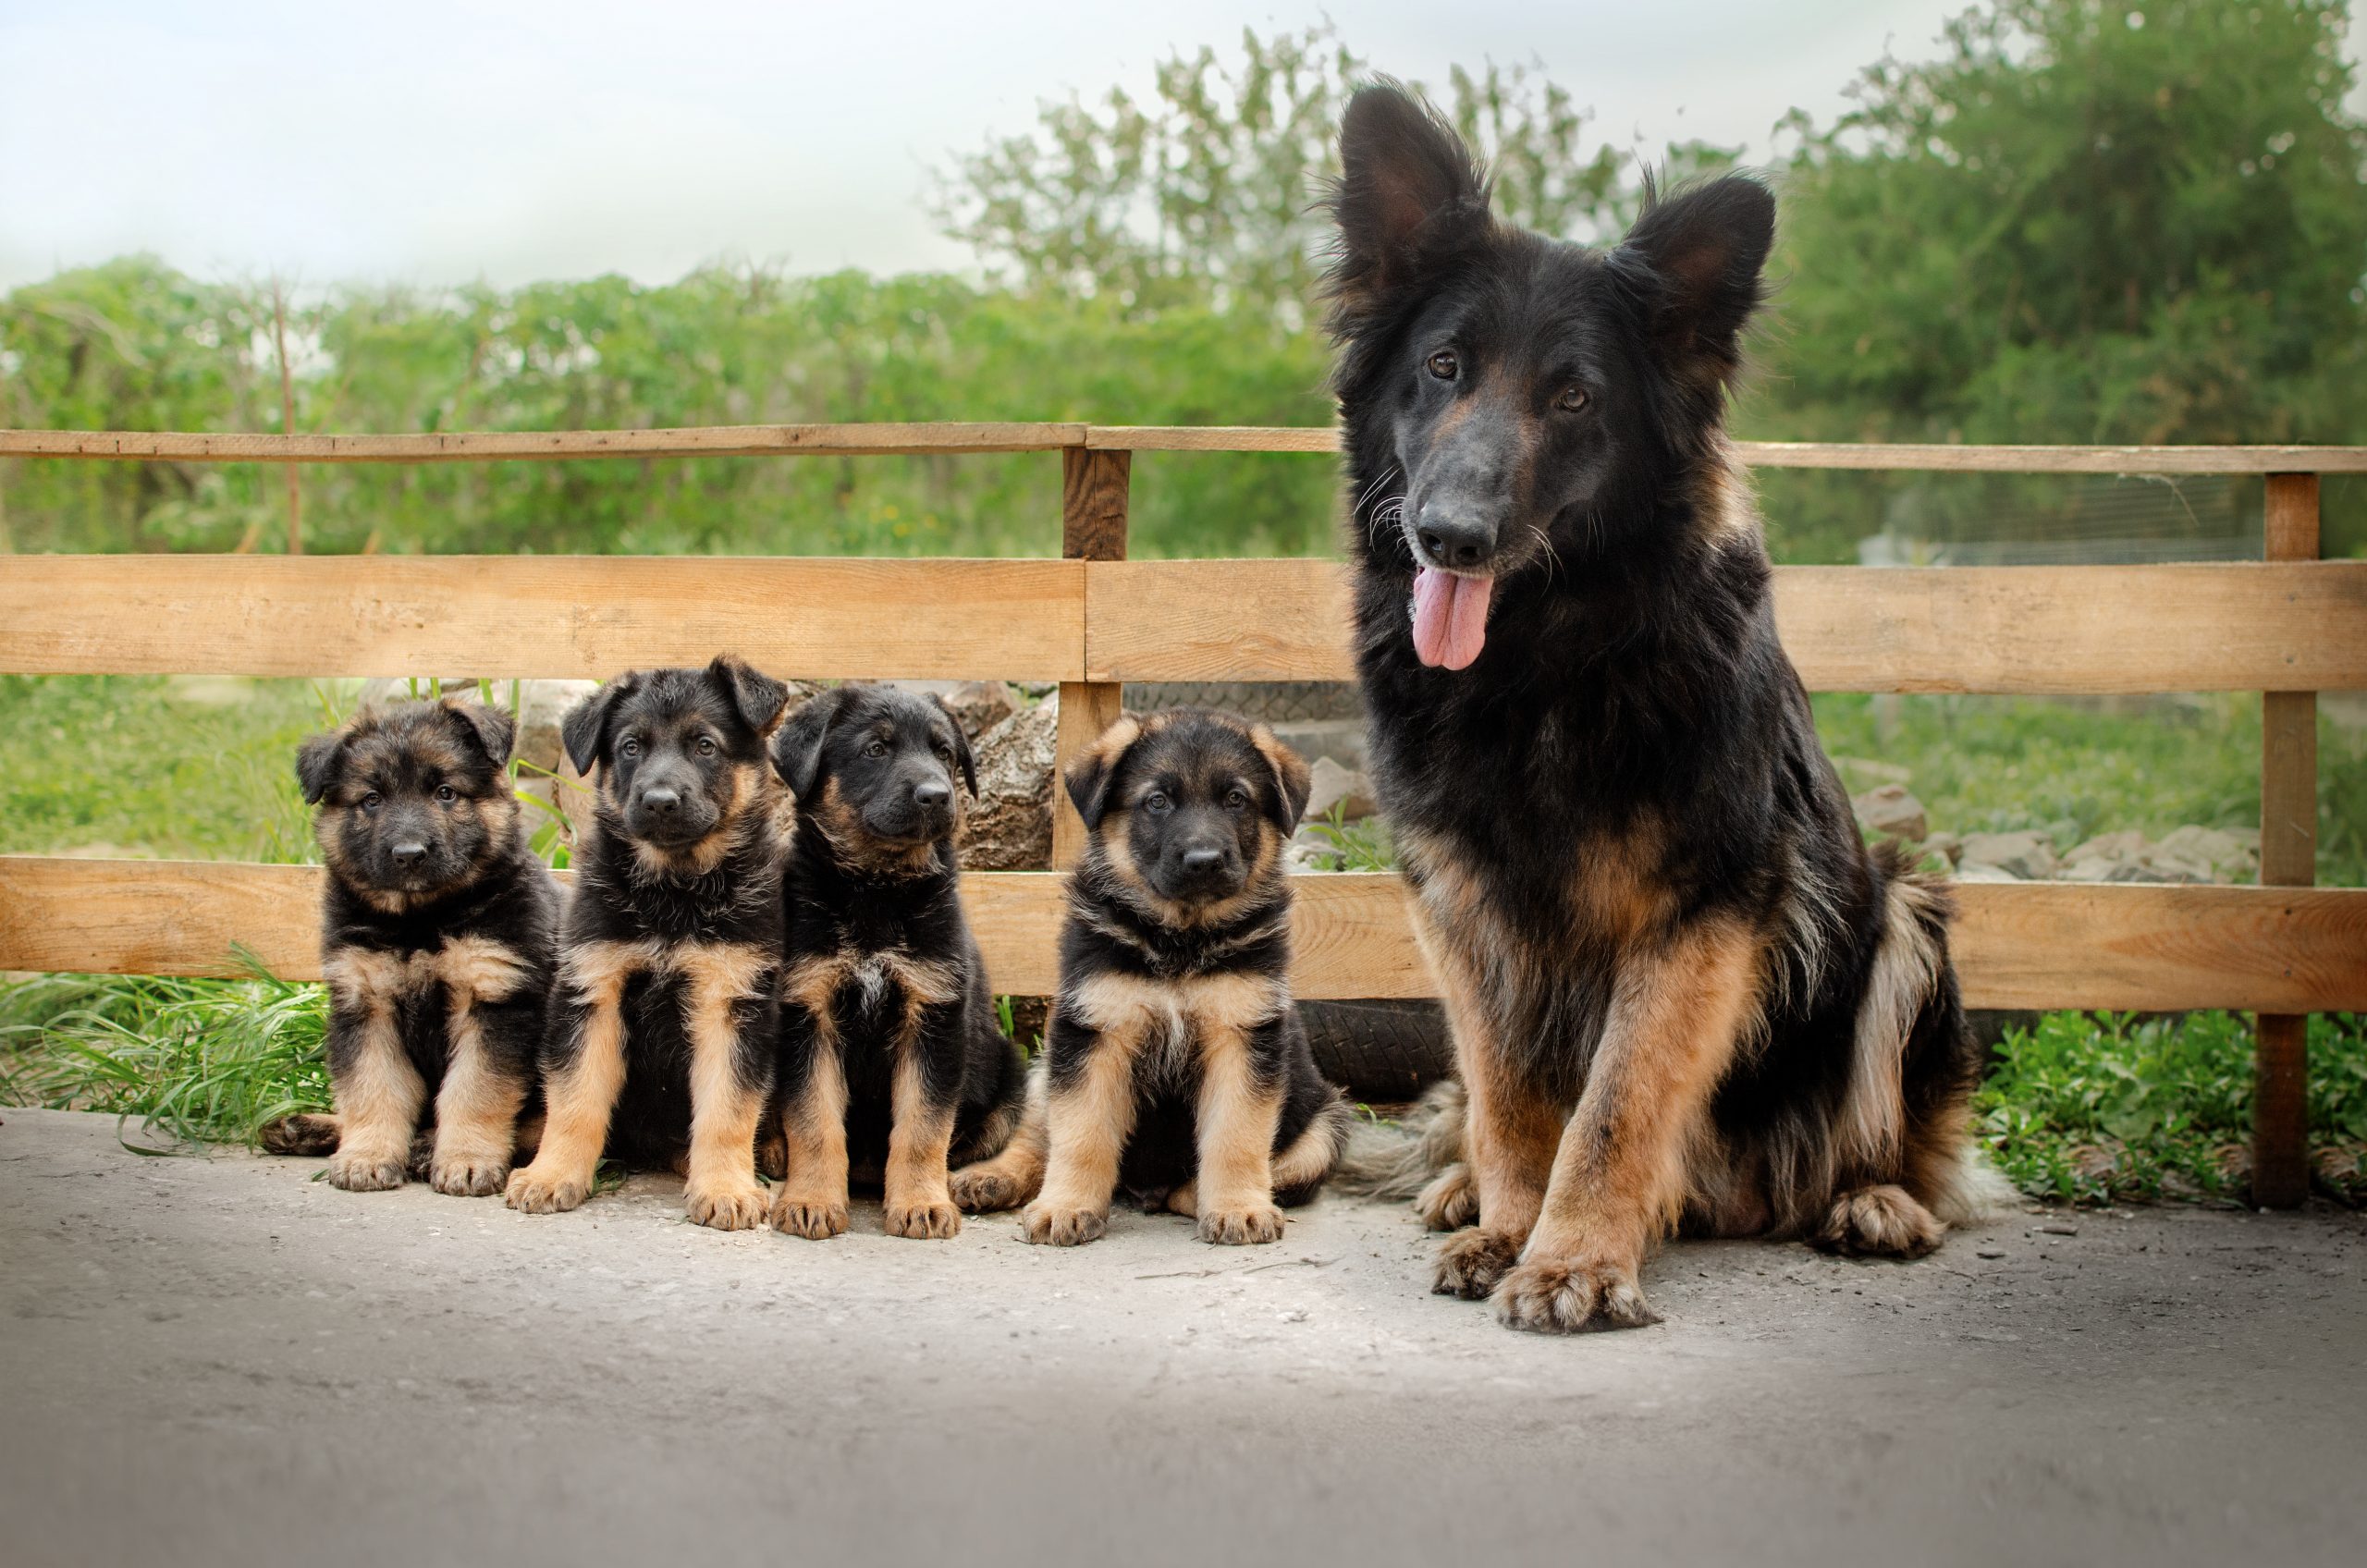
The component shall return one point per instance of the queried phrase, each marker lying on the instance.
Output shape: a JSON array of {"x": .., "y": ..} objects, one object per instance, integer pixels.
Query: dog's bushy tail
[
  {"x": 304, "y": 1134},
  {"x": 1397, "y": 1159}
]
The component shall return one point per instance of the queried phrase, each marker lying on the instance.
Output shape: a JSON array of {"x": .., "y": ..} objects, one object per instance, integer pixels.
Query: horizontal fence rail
[
  {"x": 2042, "y": 945},
  {"x": 947, "y": 437}
]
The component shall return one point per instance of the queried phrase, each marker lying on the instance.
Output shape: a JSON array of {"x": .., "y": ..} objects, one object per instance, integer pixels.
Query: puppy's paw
[
  {"x": 1880, "y": 1221},
  {"x": 1253, "y": 1225},
  {"x": 1470, "y": 1262},
  {"x": 368, "y": 1170},
  {"x": 814, "y": 1221},
  {"x": 725, "y": 1208},
  {"x": 537, "y": 1191},
  {"x": 1049, "y": 1225},
  {"x": 1451, "y": 1201},
  {"x": 924, "y": 1222},
  {"x": 980, "y": 1190},
  {"x": 468, "y": 1175},
  {"x": 1558, "y": 1296}
]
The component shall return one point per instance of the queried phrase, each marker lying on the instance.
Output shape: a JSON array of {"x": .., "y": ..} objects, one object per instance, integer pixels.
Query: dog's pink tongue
[{"x": 1450, "y": 616}]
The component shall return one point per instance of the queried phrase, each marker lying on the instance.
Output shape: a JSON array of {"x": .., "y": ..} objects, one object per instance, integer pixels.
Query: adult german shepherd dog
[{"x": 1682, "y": 992}]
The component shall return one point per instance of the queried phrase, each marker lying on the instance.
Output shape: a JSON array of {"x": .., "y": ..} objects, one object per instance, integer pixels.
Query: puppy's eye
[
  {"x": 1237, "y": 800},
  {"x": 371, "y": 802},
  {"x": 628, "y": 747},
  {"x": 1444, "y": 365},
  {"x": 445, "y": 794},
  {"x": 707, "y": 745},
  {"x": 1572, "y": 399},
  {"x": 876, "y": 750},
  {"x": 1156, "y": 804}
]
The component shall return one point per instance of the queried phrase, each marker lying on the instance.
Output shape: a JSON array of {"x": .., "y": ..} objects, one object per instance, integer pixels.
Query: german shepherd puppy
[
  {"x": 891, "y": 1058},
  {"x": 437, "y": 935},
  {"x": 1175, "y": 1063},
  {"x": 1681, "y": 990},
  {"x": 660, "y": 1041}
]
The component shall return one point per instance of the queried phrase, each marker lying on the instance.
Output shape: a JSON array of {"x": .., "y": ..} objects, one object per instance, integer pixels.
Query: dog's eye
[
  {"x": 446, "y": 793},
  {"x": 1156, "y": 804},
  {"x": 707, "y": 745},
  {"x": 628, "y": 747},
  {"x": 371, "y": 802},
  {"x": 1572, "y": 399},
  {"x": 876, "y": 750},
  {"x": 1444, "y": 365},
  {"x": 1237, "y": 801}
]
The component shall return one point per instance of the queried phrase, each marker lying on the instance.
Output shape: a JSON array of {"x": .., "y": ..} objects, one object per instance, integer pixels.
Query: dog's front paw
[
  {"x": 537, "y": 1191},
  {"x": 814, "y": 1221},
  {"x": 1251, "y": 1225},
  {"x": 924, "y": 1222},
  {"x": 1451, "y": 1201},
  {"x": 1050, "y": 1225},
  {"x": 469, "y": 1175},
  {"x": 1556, "y": 1296},
  {"x": 980, "y": 1190},
  {"x": 725, "y": 1208},
  {"x": 1470, "y": 1262},
  {"x": 368, "y": 1170}
]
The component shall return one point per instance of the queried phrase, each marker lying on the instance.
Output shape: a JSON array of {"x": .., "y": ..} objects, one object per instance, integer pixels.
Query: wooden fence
[{"x": 2289, "y": 627}]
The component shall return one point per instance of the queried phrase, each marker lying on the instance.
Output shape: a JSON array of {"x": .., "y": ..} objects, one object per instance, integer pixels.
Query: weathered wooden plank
[
  {"x": 2038, "y": 944},
  {"x": 529, "y": 445},
  {"x": 2031, "y": 629},
  {"x": 2289, "y": 857},
  {"x": 1096, "y": 492},
  {"x": 539, "y": 616},
  {"x": 1213, "y": 438}
]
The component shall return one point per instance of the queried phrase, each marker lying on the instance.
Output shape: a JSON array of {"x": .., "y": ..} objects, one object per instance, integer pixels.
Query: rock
[
  {"x": 1861, "y": 769},
  {"x": 981, "y": 704},
  {"x": 1981, "y": 871},
  {"x": 2212, "y": 854},
  {"x": 1009, "y": 826},
  {"x": 1335, "y": 786},
  {"x": 1948, "y": 846},
  {"x": 1342, "y": 740},
  {"x": 2026, "y": 856},
  {"x": 1889, "y": 812}
]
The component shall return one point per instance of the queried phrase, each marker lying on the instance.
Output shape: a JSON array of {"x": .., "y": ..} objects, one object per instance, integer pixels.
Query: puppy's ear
[
  {"x": 1089, "y": 777},
  {"x": 584, "y": 731},
  {"x": 962, "y": 753},
  {"x": 757, "y": 698},
  {"x": 1696, "y": 256},
  {"x": 316, "y": 762},
  {"x": 1410, "y": 197},
  {"x": 1293, "y": 779},
  {"x": 797, "y": 748},
  {"x": 490, "y": 727}
]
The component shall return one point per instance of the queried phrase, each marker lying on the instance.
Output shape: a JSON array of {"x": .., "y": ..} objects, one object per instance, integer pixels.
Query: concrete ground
[{"x": 218, "y": 1360}]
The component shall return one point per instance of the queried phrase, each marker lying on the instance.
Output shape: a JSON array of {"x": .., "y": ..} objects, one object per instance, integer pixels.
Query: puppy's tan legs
[
  {"x": 1088, "y": 1120},
  {"x": 1232, "y": 1191},
  {"x": 477, "y": 1113},
  {"x": 1618, "y": 1181},
  {"x": 1015, "y": 1175},
  {"x": 378, "y": 1100},
  {"x": 812, "y": 1200},
  {"x": 580, "y": 1092},
  {"x": 720, "y": 1183},
  {"x": 919, "y": 1199}
]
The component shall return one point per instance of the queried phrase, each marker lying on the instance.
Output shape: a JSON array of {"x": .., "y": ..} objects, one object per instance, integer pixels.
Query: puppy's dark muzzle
[
  {"x": 1199, "y": 875},
  {"x": 664, "y": 816}
]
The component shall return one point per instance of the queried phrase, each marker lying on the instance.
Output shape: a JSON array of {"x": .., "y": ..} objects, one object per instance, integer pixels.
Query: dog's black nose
[
  {"x": 931, "y": 795},
  {"x": 407, "y": 854},
  {"x": 1202, "y": 859},
  {"x": 661, "y": 800},
  {"x": 1452, "y": 542}
]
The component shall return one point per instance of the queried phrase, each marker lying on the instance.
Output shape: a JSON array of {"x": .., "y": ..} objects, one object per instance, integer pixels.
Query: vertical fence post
[
  {"x": 2288, "y": 855},
  {"x": 1093, "y": 527}
]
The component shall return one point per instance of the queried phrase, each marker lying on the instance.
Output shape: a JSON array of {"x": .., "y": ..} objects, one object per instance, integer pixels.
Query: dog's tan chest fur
[{"x": 1171, "y": 1021}]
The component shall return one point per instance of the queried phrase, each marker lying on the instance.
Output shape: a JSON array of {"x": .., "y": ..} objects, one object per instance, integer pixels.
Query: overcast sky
[{"x": 515, "y": 140}]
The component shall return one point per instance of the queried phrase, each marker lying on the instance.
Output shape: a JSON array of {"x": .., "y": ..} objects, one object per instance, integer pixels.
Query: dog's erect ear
[
  {"x": 1293, "y": 779},
  {"x": 316, "y": 762},
  {"x": 797, "y": 747},
  {"x": 1410, "y": 196},
  {"x": 756, "y": 696},
  {"x": 490, "y": 727},
  {"x": 1700, "y": 252},
  {"x": 1089, "y": 777},
  {"x": 961, "y": 753},
  {"x": 584, "y": 731}
]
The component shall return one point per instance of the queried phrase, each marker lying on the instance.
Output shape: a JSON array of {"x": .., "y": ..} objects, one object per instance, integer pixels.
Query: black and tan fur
[
  {"x": 436, "y": 940},
  {"x": 1175, "y": 1064},
  {"x": 1682, "y": 992},
  {"x": 660, "y": 1038},
  {"x": 891, "y": 1064}
]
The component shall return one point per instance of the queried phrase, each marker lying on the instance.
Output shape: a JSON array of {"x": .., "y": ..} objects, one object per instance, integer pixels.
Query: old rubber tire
[{"x": 1381, "y": 1052}]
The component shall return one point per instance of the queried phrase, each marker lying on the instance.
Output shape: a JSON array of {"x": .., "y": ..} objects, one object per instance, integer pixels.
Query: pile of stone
[{"x": 2185, "y": 855}]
